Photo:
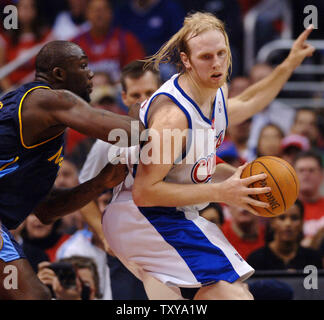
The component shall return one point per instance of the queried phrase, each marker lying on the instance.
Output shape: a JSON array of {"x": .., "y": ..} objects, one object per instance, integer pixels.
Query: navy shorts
[{"x": 9, "y": 248}]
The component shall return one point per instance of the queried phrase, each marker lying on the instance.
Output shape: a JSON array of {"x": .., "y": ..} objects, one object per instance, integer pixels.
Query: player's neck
[
  {"x": 203, "y": 97},
  {"x": 284, "y": 249}
]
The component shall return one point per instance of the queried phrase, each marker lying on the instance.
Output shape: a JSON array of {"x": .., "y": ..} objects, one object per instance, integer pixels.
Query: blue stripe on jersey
[
  {"x": 225, "y": 110},
  {"x": 193, "y": 102},
  {"x": 184, "y": 110},
  {"x": 206, "y": 261},
  {"x": 8, "y": 166},
  {"x": 9, "y": 249}
]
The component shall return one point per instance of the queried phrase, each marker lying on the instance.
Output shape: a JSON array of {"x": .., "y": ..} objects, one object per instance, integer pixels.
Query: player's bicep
[{"x": 167, "y": 139}]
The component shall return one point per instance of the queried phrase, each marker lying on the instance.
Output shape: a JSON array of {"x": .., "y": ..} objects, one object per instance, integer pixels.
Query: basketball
[{"x": 282, "y": 179}]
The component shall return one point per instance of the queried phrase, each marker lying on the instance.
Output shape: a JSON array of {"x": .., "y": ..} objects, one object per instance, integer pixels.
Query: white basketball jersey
[{"x": 198, "y": 163}]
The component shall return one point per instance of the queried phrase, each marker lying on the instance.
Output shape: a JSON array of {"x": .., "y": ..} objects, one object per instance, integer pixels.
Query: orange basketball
[{"x": 282, "y": 179}]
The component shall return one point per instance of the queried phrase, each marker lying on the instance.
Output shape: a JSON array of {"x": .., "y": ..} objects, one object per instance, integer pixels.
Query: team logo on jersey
[
  {"x": 203, "y": 169},
  {"x": 57, "y": 157},
  {"x": 219, "y": 139}
]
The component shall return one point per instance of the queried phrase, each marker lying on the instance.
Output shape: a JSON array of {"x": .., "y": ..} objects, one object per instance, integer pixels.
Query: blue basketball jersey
[{"x": 27, "y": 173}]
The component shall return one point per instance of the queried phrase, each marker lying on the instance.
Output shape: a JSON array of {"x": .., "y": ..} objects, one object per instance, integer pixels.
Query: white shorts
[{"x": 179, "y": 249}]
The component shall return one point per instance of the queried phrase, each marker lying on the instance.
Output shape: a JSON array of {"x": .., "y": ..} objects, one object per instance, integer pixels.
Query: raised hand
[{"x": 301, "y": 49}]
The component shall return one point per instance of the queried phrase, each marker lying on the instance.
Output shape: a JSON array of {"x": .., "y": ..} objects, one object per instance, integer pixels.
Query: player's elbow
[{"x": 140, "y": 195}]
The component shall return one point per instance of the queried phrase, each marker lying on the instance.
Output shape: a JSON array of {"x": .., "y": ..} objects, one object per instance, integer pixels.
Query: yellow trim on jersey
[
  {"x": 57, "y": 157},
  {"x": 20, "y": 121},
  {"x": 1, "y": 105},
  {"x": 8, "y": 164}
]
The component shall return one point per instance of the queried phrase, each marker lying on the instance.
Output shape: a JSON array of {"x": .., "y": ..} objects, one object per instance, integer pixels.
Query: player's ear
[
  {"x": 59, "y": 74},
  {"x": 185, "y": 60}
]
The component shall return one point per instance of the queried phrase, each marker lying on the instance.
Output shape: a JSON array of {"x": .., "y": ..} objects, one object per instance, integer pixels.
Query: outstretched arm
[
  {"x": 57, "y": 108},
  {"x": 258, "y": 96},
  {"x": 60, "y": 202}
]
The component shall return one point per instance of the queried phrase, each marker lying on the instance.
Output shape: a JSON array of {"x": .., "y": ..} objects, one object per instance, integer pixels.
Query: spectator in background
[
  {"x": 86, "y": 243},
  {"x": 86, "y": 277},
  {"x": 153, "y": 22},
  {"x": 213, "y": 213},
  {"x": 45, "y": 237},
  {"x": 284, "y": 251},
  {"x": 239, "y": 134},
  {"x": 269, "y": 143},
  {"x": 276, "y": 113},
  {"x": 34, "y": 254},
  {"x": 244, "y": 231},
  {"x": 291, "y": 145},
  {"x": 67, "y": 177},
  {"x": 305, "y": 124},
  {"x": 69, "y": 24},
  {"x": 31, "y": 32},
  {"x": 108, "y": 48},
  {"x": 309, "y": 169}
]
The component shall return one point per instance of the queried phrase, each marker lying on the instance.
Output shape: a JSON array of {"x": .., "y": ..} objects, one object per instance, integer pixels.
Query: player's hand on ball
[
  {"x": 237, "y": 191},
  {"x": 301, "y": 49},
  {"x": 112, "y": 175}
]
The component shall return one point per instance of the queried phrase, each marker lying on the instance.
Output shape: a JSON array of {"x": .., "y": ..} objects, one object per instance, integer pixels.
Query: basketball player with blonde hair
[{"x": 161, "y": 235}]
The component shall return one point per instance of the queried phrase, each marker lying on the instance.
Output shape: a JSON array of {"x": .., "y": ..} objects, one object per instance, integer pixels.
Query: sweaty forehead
[{"x": 76, "y": 54}]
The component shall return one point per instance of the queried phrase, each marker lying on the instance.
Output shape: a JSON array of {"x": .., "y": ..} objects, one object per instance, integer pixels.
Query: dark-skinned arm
[
  {"x": 61, "y": 202},
  {"x": 62, "y": 107}
]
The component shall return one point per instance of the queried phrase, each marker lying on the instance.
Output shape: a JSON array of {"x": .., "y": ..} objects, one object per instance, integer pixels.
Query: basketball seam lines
[
  {"x": 272, "y": 158},
  {"x": 284, "y": 202}
]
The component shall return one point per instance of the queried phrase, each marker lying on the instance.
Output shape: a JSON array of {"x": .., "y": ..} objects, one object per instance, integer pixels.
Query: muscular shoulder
[{"x": 165, "y": 113}]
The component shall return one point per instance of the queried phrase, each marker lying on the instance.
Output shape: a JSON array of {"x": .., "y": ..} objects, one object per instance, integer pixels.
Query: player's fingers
[
  {"x": 304, "y": 35},
  {"x": 250, "y": 209},
  {"x": 258, "y": 190},
  {"x": 309, "y": 50},
  {"x": 257, "y": 203},
  {"x": 249, "y": 180},
  {"x": 240, "y": 169}
]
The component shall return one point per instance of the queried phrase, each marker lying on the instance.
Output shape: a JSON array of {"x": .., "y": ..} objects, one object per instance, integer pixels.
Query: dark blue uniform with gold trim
[{"x": 27, "y": 173}]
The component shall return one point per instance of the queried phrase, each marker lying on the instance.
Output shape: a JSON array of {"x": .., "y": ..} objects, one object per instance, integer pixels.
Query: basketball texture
[{"x": 282, "y": 179}]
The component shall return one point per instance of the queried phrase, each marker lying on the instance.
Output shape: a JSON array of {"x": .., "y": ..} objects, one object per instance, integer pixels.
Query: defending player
[
  {"x": 32, "y": 123},
  {"x": 162, "y": 236}
]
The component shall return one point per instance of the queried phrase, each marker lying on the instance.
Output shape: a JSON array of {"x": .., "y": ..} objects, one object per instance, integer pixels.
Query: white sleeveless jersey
[
  {"x": 198, "y": 162},
  {"x": 175, "y": 245}
]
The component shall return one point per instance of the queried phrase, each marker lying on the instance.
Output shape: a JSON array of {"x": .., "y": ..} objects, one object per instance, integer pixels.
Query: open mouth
[{"x": 216, "y": 75}]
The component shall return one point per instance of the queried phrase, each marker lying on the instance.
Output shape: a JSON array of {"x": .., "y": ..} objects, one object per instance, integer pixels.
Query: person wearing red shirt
[
  {"x": 309, "y": 169},
  {"x": 108, "y": 48},
  {"x": 244, "y": 231},
  {"x": 31, "y": 32}
]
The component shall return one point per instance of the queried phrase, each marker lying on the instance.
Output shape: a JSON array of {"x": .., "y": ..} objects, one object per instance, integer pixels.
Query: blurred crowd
[{"x": 115, "y": 35}]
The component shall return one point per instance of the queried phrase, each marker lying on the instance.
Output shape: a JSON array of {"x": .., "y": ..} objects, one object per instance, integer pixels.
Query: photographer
[{"x": 74, "y": 278}]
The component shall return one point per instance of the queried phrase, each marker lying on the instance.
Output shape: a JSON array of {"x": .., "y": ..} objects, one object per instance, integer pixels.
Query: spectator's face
[
  {"x": 99, "y": 14},
  {"x": 87, "y": 278},
  {"x": 212, "y": 215},
  {"x": 138, "y": 90},
  {"x": 35, "y": 229},
  {"x": 288, "y": 226},
  {"x": 305, "y": 125},
  {"x": 26, "y": 11},
  {"x": 78, "y": 7},
  {"x": 242, "y": 218},
  {"x": 310, "y": 175},
  {"x": 237, "y": 86},
  {"x": 67, "y": 176},
  {"x": 103, "y": 200},
  {"x": 240, "y": 133},
  {"x": 208, "y": 60},
  {"x": 269, "y": 142},
  {"x": 259, "y": 72}
]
